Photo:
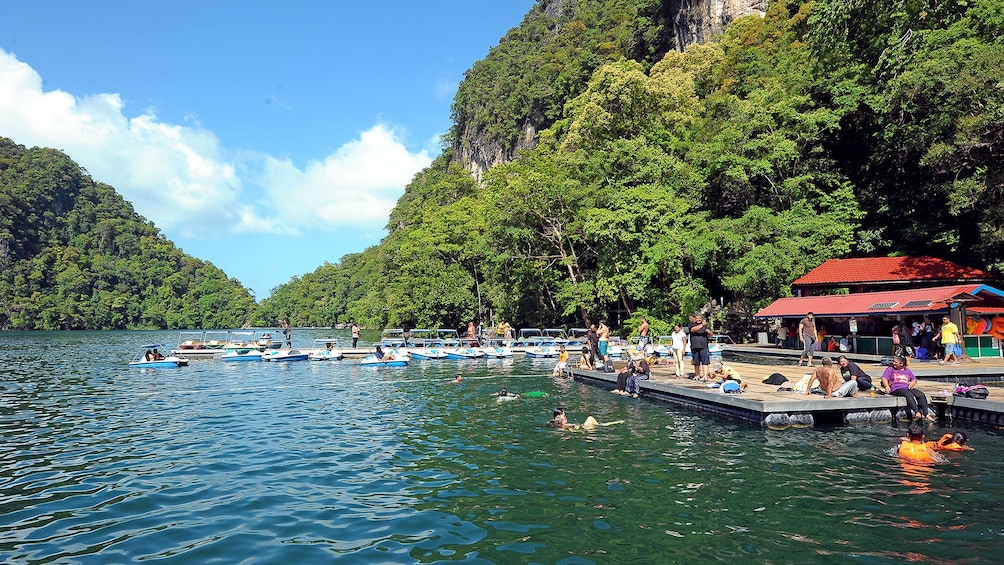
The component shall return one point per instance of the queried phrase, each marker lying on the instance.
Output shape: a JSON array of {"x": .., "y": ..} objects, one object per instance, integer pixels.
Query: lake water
[{"x": 317, "y": 462}]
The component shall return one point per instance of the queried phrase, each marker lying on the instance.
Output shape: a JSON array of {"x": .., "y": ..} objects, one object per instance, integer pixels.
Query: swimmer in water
[
  {"x": 504, "y": 395},
  {"x": 958, "y": 441},
  {"x": 459, "y": 378},
  {"x": 560, "y": 421},
  {"x": 914, "y": 449}
]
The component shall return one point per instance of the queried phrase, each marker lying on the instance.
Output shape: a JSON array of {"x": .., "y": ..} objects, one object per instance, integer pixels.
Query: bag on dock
[
  {"x": 775, "y": 379},
  {"x": 977, "y": 391}
]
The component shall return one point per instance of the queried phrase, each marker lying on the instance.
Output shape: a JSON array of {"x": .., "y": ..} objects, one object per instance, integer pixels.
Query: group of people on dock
[
  {"x": 918, "y": 338},
  {"x": 848, "y": 379}
]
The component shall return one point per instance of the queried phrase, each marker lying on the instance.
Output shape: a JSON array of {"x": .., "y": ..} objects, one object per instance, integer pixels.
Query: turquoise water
[{"x": 316, "y": 462}]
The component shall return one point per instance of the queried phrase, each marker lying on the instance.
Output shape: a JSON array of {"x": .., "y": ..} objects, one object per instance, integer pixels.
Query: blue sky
[{"x": 265, "y": 137}]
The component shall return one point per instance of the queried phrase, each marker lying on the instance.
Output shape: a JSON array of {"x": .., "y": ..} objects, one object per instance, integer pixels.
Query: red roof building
[
  {"x": 866, "y": 297},
  {"x": 886, "y": 273}
]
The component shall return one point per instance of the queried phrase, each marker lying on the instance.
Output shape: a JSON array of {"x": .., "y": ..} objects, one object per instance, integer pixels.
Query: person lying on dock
[
  {"x": 827, "y": 378},
  {"x": 724, "y": 373}
]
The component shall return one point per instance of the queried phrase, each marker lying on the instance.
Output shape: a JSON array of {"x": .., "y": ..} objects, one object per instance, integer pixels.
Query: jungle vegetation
[
  {"x": 828, "y": 128},
  {"x": 75, "y": 255},
  {"x": 658, "y": 181}
]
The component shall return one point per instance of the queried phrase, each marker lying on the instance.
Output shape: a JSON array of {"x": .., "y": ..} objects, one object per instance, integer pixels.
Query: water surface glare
[{"x": 313, "y": 462}]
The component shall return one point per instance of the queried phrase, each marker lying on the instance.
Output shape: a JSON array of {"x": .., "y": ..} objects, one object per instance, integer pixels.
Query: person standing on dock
[
  {"x": 699, "y": 348},
  {"x": 949, "y": 337},
  {"x": 642, "y": 334},
  {"x": 603, "y": 343},
  {"x": 287, "y": 333},
  {"x": 679, "y": 338},
  {"x": 807, "y": 334},
  {"x": 355, "y": 334}
]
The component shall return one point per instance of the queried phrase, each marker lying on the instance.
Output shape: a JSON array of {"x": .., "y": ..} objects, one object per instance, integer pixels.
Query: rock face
[
  {"x": 697, "y": 21},
  {"x": 693, "y": 21}
]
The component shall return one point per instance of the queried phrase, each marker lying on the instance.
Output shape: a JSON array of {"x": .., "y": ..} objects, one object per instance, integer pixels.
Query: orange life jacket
[
  {"x": 946, "y": 444},
  {"x": 915, "y": 452}
]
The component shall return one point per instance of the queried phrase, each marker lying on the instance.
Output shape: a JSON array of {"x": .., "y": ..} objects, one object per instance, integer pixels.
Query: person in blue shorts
[{"x": 699, "y": 348}]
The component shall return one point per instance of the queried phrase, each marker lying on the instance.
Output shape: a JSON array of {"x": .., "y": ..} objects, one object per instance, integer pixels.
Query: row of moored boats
[{"x": 396, "y": 347}]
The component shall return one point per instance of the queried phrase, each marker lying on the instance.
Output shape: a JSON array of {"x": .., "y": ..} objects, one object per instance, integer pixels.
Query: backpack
[
  {"x": 730, "y": 387},
  {"x": 977, "y": 391}
]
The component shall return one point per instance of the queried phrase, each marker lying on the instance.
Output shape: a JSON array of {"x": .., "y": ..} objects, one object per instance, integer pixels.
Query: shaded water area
[{"x": 315, "y": 462}]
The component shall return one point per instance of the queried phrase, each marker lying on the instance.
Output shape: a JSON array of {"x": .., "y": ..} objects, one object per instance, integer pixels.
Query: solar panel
[
  {"x": 882, "y": 305},
  {"x": 918, "y": 304}
]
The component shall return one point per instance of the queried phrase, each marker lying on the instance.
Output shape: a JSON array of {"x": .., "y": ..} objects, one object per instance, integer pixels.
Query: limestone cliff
[
  {"x": 697, "y": 21},
  {"x": 496, "y": 115}
]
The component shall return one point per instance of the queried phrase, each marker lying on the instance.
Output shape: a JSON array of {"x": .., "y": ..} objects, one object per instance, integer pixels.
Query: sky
[{"x": 265, "y": 137}]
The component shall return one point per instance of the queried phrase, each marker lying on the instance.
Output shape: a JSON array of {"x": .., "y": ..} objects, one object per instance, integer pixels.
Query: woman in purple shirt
[{"x": 900, "y": 381}]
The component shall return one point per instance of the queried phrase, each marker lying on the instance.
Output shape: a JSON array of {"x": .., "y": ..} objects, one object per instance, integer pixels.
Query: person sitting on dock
[
  {"x": 586, "y": 359},
  {"x": 827, "y": 378},
  {"x": 622, "y": 378},
  {"x": 855, "y": 379},
  {"x": 562, "y": 364},
  {"x": 724, "y": 373},
  {"x": 900, "y": 381}
]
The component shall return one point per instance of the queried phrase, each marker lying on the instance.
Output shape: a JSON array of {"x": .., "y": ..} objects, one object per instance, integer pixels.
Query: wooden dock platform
[{"x": 765, "y": 405}]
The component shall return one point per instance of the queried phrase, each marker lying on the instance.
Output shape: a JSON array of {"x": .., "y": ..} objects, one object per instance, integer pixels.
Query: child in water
[{"x": 951, "y": 442}]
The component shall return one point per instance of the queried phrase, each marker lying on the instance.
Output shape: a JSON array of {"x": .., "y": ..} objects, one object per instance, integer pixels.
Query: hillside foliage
[
  {"x": 661, "y": 183},
  {"x": 831, "y": 128},
  {"x": 75, "y": 255}
]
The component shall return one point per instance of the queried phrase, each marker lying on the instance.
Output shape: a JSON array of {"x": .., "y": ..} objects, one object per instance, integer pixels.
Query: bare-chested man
[{"x": 829, "y": 379}]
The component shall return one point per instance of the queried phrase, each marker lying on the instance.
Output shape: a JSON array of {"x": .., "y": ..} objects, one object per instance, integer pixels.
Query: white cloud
[
  {"x": 182, "y": 179},
  {"x": 355, "y": 186}
]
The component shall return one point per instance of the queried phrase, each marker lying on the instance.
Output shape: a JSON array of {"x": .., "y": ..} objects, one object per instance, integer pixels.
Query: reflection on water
[{"x": 307, "y": 462}]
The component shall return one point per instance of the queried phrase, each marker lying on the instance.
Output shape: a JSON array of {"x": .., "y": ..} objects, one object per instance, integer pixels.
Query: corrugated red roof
[
  {"x": 890, "y": 269},
  {"x": 879, "y": 303}
]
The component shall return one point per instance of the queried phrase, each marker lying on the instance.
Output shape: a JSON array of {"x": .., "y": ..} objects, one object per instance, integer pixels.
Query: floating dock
[{"x": 764, "y": 405}]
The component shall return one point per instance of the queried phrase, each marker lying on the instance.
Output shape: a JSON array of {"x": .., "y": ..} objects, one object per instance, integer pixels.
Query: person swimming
[
  {"x": 503, "y": 395},
  {"x": 913, "y": 448},
  {"x": 560, "y": 420},
  {"x": 958, "y": 441}
]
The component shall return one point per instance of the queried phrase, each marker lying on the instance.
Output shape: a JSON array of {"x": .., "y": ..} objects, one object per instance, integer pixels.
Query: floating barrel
[
  {"x": 777, "y": 421},
  {"x": 858, "y": 417},
  {"x": 880, "y": 416},
  {"x": 802, "y": 420}
]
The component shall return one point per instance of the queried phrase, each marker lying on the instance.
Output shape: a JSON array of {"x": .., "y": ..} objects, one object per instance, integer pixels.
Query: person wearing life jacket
[
  {"x": 951, "y": 442},
  {"x": 914, "y": 449}
]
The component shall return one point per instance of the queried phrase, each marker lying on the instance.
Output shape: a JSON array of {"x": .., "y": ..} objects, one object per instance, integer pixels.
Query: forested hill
[
  {"x": 827, "y": 128},
  {"x": 75, "y": 255}
]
